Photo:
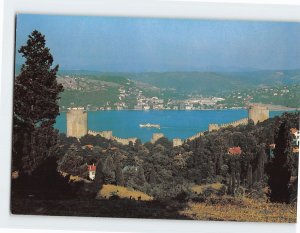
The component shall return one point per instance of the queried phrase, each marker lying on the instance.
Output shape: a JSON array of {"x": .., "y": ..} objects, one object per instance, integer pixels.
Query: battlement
[
  {"x": 177, "y": 142},
  {"x": 109, "y": 136},
  {"x": 105, "y": 134},
  {"x": 156, "y": 136},
  {"x": 212, "y": 127},
  {"x": 124, "y": 141},
  {"x": 197, "y": 135}
]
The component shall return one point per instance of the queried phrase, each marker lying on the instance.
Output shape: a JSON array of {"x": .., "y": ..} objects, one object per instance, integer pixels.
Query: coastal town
[{"x": 127, "y": 94}]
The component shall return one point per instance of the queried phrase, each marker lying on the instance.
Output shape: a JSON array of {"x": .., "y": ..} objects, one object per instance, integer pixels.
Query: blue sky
[{"x": 123, "y": 44}]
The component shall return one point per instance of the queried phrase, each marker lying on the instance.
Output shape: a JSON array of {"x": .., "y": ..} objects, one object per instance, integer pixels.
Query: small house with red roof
[
  {"x": 236, "y": 150},
  {"x": 92, "y": 171},
  {"x": 296, "y": 134}
]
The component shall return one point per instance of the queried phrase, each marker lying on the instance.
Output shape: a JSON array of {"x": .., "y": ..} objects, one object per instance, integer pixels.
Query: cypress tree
[
  {"x": 109, "y": 171},
  {"x": 249, "y": 176},
  {"x": 279, "y": 171},
  {"x": 36, "y": 95},
  {"x": 119, "y": 173}
]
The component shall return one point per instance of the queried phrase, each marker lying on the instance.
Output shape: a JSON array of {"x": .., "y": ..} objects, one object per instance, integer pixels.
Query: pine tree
[{"x": 36, "y": 95}]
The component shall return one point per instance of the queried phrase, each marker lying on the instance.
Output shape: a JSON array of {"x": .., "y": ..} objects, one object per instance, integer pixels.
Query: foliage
[
  {"x": 279, "y": 170},
  {"x": 36, "y": 95}
]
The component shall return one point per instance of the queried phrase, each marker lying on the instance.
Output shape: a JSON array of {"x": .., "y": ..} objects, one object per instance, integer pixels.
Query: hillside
[
  {"x": 217, "y": 82},
  {"x": 105, "y": 91}
]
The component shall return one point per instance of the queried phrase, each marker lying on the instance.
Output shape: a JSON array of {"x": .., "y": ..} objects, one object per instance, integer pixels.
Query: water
[{"x": 174, "y": 124}]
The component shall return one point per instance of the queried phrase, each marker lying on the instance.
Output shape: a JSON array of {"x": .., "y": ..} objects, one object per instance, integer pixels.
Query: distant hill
[
  {"x": 103, "y": 89},
  {"x": 211, "y": 82},
  {"x": 200, "y": 82}
]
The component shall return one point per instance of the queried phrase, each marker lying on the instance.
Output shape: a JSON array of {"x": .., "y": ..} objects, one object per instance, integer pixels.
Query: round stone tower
[
  {"x": 258, "y": 113},
  {"x": 76, "y": 122}
]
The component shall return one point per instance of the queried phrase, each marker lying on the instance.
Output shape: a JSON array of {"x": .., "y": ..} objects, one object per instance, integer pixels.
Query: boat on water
[{"x": 148, "y": 125}]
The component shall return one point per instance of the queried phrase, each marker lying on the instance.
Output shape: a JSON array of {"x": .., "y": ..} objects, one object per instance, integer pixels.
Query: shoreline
[{"x": 274, "y": 108}]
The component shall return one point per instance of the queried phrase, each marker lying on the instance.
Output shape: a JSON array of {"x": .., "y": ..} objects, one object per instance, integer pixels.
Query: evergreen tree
[
  {"x": 141, "y": 180},
  {"x": 249, "y": 176},
  {"x": 99, "y": 178},
  {"x": 73, "y": 162},
  {"x": 278, "y": 170},
  {"x": 109, "y": 171},
  {"x": 36, "y": 95},
  {"x": 119, "y": 173}
]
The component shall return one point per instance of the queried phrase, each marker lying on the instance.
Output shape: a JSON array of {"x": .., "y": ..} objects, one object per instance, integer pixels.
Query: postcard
[{"x": 156, "y": 118}]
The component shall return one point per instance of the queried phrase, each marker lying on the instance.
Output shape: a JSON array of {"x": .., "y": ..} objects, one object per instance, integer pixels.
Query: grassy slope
[
  {"x": 244, "y": 210},
  {"x": 123, "y": 192}
]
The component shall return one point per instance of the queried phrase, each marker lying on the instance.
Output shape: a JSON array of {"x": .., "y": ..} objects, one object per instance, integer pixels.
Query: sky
[{"x": 124, "y": 44}]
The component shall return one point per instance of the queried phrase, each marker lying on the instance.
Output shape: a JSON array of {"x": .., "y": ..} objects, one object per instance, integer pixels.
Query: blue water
[{"x": 174, "y": 124}]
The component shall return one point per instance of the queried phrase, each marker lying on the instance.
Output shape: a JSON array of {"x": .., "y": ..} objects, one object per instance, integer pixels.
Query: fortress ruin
[
  {"x": 77, "y": 126},
  {"x": 76, "y": 122},
  {"x": 258, "y": 113},
  {"x": 156, "y": 136}
]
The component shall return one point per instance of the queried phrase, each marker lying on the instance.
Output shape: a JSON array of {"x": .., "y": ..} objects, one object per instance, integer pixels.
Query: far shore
[{"x": 269, "y": 106}]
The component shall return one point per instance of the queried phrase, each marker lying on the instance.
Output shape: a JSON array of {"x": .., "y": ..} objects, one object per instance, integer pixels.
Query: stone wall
[
  {"x": 197, "y": 135},
  {"x": 212, "y": 127},
  {"x": 109, "y": 136},
  {"x": 76, "y": 122},
  {"x": 156, "y": 136},
  {"x": 177, "y": 142}
]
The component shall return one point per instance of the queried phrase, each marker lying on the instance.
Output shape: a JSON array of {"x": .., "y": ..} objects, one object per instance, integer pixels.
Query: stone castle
[
  {"x": 256, "y": 113},
  {"x": 77, "y": 126}
]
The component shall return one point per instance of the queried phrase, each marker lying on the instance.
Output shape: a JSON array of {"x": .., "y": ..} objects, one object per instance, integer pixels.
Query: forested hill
[
  {"x": 101, "y": 90},
  {"x": 211, "y": 82},
  {"x": 208, "y": 83}
]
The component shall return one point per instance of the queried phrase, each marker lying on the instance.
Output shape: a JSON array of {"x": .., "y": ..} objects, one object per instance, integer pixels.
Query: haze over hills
[
  {"x": 111, "y": 89},
  {"x": 205, "y": 82}
]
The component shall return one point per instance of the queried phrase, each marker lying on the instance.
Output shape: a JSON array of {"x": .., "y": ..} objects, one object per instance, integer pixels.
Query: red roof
[
  {"x": 235, "y": 150},
  {"x": 92, "y": 167},
  {"x": 272, "y": 146},
  {"x": 294, "y": 130}
]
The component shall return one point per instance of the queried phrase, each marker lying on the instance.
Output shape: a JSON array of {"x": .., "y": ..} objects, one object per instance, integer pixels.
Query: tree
[
  {"x": 109, "y": 171},
  {"x": 36, "y": 95},
  {"x": 119, "y": 173},
  {"x": 278, "y": 170},
  {"x": 73, "y": 163}
]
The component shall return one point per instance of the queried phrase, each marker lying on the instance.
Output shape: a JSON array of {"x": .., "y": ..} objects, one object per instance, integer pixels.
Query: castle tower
[
  {"x": 177, "y": 142},
  {"x": 258, "y": 113},
  {"x": 76, "y": 122},
  {"x": 156, "y": 136}
]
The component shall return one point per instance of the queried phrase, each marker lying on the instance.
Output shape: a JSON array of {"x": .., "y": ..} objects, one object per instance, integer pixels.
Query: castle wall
[
  {"x": 76, "y": 122},
  {"x": 212, "y": 127},
  {"x": 177, "y": 142},
  {"x": 195, "y": 136},
  {"x": 124, "y": 141},
  {"x": 109, "y": 135},
  {"x": 258, "y": 113},
  {"x": 156, "y": 136}
]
